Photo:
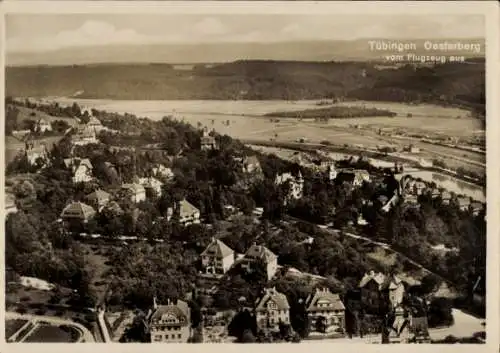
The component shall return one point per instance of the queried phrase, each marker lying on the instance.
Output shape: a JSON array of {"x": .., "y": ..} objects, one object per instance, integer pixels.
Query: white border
[{"x": 486, "y": 8}]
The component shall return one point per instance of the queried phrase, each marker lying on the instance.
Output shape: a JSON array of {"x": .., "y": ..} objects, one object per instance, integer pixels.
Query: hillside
[{"x": 451, "y": 83}]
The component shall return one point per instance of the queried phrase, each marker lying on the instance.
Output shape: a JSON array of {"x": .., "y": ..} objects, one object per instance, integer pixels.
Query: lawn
[
  {"x": 53, "y": 334},
  {"x": 12, "y": 326}
]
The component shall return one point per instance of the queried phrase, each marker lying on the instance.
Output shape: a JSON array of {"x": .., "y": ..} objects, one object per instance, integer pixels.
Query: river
[{"x": 245, "y": 123}]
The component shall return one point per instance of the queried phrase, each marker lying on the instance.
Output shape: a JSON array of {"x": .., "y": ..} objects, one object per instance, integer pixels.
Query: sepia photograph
[{"x": 247, "y": 177}]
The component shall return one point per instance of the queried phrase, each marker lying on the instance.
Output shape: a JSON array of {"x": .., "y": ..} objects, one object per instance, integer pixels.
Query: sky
[{"x": 41, "y": 33}]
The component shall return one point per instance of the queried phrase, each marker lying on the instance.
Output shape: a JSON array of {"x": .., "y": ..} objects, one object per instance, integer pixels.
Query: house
[
  {"x": 10, "y": 204},
  {"x": 35, "y": 151},
  {"x": 419, "y": 187},
  {"x": 325, "y": 306},
  {"x": 251, "y": 164},
  {"x": 84, "y": 135},
  {"x": 271, "y": 309},
  {"x": 188, "y": 214},
  {"x": 446, "y": 197},
  {"x": 152, "y": 184},
  {"x": 296, "y": 184},
  {"x": 163, "y": 172},
  {"x": 170, "y": 323},
  {"x": 260, "y": 254},
  {"x": 476, "y": 207},
  {"x": 331, "y": 172},
  {"x": 136, "y": 192},
  {"x": 463, "y": 203},
  {"x": 207, "y": 142},
  {"x": 77, "y": 211},
  {"x": 98, "y": 199},
  {"x": 113, "y": 207},
  {"x": 42, "y": 125},
  {"x": 217, "y": 258},
  {"x": 360, "y": 176},
  {"x": 95, "y": 124},
  {"x": 377, "y": 289},
  {"x": 80, "y": 168}
]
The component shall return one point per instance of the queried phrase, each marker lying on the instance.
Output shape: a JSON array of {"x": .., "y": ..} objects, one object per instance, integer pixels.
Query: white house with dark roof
[
  {"x": 188, "y": 214},
  {"x": 136, "y": 192},
  {"x": 271, "y": 309},
  {"x": 84, "y": 135},
  {"x": 170, "y": 323},
  {"x": 217, "y": 258},
  {"x": 327, "y": 306},
  {"x": 259, "y": 253},
  {"x": 35, "y": 150},
  {"x": 81, "y": 168},
  {"x": 78, "y": 211},
  {"x": 98, "y": 199}
]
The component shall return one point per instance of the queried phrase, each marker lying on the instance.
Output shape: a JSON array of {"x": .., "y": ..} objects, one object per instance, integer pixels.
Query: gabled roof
[
  {"x": 323, "y": 295},
  {"x": 187, "y": 209},
  {"x": 379, "y": 278},
  {"x": 260, "y": 252},
  {"x": 180, "y": 310},
  {"x": 114, "y": 207},
  {"x": 218, "y": 248},
  {"x": 78, "y": 209},
  {"x": 98, "y": 195},
  {"x": 272, "y": 295}
]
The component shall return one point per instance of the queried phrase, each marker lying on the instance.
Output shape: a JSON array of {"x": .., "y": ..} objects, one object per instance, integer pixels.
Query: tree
[{"x": 247, "y": 337}]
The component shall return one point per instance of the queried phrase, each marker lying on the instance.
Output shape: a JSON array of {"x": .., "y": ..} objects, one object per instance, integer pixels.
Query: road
[
  {"x": 86, "y": 334},
  {"x": 373, "y": 242},
  {"x": 465, "y": 325}
]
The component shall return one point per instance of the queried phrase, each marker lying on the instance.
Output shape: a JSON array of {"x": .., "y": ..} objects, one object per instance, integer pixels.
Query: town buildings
[
  {"x": 160, "y": 171},
  {"x": 80, "y": 168},
  {"x": 207, "y": 142},
  {"x": 42, "y": 126},
  {"x": 35, "y": 152},
  {"x": 187, "y": 213},
  {"x": 271, "y": 310},
  {"x": 135, "y": 191},
  {"x": 259, "y": 254},
  {"x": 170, "y": 323},
  {"x": 95, "y": 124},
  {"x": 296, "y": 184},
  {"x": 217, "y": 258},
  {"x": 378, "y": 289},
  {"x": 251, "y": 164},
  {"x": 324, "y": 306},
  {"x": 84, "y": 135},
  {"x": 152, "y": 185},
  {"x": 98, "y": 199}
]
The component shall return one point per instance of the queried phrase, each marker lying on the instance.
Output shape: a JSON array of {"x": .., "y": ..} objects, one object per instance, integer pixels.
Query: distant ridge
[{"x": 357, "y": 50}]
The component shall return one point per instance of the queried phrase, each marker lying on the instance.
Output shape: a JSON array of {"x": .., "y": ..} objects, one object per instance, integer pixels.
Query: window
[
  {"x": 157, "y": 338},
  {"x": 179, "y": 336}
]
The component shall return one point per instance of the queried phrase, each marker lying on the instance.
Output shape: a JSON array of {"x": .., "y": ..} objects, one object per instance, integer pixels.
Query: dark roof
[
  {"x": 323, "y": 295},
  {"x": 218, "y": 248},
  {"x": 271, "y": 294},
  {"x": 260, "y": 252},
  {"x": 180, "y": 310}
]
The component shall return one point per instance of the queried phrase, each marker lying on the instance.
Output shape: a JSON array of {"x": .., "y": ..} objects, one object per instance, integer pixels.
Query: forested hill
[{"x": 450, "y": 83}]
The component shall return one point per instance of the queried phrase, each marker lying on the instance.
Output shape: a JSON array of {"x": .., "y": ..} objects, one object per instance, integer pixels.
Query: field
[{"x": 245, "y": 120}]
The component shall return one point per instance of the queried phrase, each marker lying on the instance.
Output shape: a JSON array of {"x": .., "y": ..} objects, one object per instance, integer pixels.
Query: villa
[
  {"x": 170, "y": 323},
  {"x": 326, "y": 306},
  {"x": 260, "y": 254},
  {"x": 217, "y": 258},
  {"x": 188, "y": 214},
  {"x": 81, "y": 169},
  {"x": 271, "y": 309}
]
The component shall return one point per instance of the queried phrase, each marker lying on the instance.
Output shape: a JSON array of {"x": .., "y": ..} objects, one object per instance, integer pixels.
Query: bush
[
  {"x": 41, "y": 311},
  {"x": 25, "y": 299},
  {"x": 22, "y": 310}
]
